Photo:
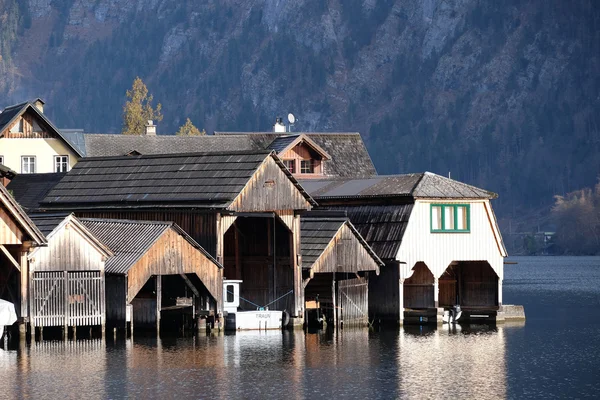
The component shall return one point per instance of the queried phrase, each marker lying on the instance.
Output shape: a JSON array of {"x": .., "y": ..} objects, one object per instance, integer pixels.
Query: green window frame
[{"x": 441, "y": 225}]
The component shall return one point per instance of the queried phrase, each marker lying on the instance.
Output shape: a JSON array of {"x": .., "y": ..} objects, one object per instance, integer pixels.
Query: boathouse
[
  {"x": 336, "y": 266},
  {"x": 156, "y": 270},
  {"x": 18, "y": 234},
  {"x": 67, "y": 276},
  {"x": 242, "y": 207},
  {"x": 438, "y": 237}
]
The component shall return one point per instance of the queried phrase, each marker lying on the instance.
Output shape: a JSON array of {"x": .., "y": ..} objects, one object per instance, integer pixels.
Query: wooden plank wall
[
  {"x": 144, "y": 312},
  {"x": 474, "y": 281},
  {"x": 384, "y": 294},
  {"x": 30, "y": 129},
  {"x": 269, "y": 189},
  {"x": 116, "y": 300},
  {"x": 201, "y": 226},
  {"x": 173, "y": 255},
  {"x": 302, "y": 152},
  {"x": 353, "y": 302},
  {"x": 10, "y": 233},
  {"x": 418, "y": 289}
]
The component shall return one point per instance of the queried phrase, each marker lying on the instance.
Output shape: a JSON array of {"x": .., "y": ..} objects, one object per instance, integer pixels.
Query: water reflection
[{"x": 413, "y": 362}]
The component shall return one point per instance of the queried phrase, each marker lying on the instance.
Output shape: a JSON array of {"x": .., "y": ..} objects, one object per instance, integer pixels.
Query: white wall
[
  {"x": 438, "y": 250},
  {"x": 43, "y": 149}
]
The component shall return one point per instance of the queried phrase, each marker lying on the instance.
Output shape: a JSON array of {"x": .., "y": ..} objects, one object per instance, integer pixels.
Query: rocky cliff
[{"x": 502, "y": 94}]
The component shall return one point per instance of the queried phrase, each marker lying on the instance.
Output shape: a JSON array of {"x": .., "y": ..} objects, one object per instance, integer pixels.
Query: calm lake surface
[{"x": 555, "y": 354}]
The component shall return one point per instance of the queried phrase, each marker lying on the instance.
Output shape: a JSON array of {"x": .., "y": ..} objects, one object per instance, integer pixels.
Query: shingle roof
[
  {"x": 382, "y": 227},
  {"x": 349, "y": 155},
  {"x": 207, "y": 180},
  {"x": 10, "y": 114},
  {"x": 129, "y": 240},
  {"x": 7, "y": 172},
  {"x": 422, "y": 185},
  {"x": 47, "y": 222},
  {"x": 30, "y": 189},
  {"x": 101, "y": 144},
  {"x": 279, "y": 143}
]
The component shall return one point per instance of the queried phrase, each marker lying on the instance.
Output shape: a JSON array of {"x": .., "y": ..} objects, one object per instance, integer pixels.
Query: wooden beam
[
  {"x": 190, "y": 285},
  {"x": 10, "y": 257},
  {"x": 158, "y": 302}
]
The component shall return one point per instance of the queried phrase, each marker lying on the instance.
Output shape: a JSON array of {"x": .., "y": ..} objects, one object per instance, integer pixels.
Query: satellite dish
[{"x": 291, "y": 118}]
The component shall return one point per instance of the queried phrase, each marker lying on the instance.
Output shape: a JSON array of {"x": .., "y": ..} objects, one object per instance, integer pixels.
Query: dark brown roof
[
  {"x": 318, "y": 232},
  {"x": 129, "y": 240},
  {"x": 103, "y": 145},
  {"x": 382, "y": 226},
  {"x": 349, "y": 155},
  {"x": 422, "y": 185},
  {"x": 204, "y": 180},
  {"x": 30, "y": 189}
]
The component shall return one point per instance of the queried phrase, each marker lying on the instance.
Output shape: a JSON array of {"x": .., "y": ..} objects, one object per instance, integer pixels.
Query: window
[
  {"x": 307, "y": 167},
  {"x": 61, "y": 163},
  {"x": 28, "y": 165},
  {"x": 229, "y": 289},
  {"x": 450, "y": 218},
  {"x": 291, "y": 165}
]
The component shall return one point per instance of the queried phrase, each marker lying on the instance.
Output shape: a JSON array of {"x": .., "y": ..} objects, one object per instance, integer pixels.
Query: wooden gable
[
  {"x": 270, "y": 189},
  {"x": 10, "y": 233},
  {"x": 345, "y": 253},
  {"x": 15, "y": 225},
  {"x": 172, "y": 254},
  {"x": 29, "y": 125}
]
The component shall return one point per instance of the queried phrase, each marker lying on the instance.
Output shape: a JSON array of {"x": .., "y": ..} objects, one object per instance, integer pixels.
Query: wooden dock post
[
  {"x": 335, "y": 319},
  {"x": 158, "y": 302}
]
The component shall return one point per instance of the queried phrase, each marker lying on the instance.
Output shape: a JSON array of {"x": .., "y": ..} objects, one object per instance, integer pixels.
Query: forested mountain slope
[{"x": 502, "y": 94}]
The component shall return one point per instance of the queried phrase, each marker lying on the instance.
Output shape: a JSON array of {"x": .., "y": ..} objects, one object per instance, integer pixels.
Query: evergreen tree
[
  {"x": 138, "y": 110},
  {"x": 188, "y": 129}
]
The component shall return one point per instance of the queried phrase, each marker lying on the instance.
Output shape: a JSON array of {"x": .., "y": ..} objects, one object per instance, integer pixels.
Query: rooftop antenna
[{"x": 291, "y": 120}]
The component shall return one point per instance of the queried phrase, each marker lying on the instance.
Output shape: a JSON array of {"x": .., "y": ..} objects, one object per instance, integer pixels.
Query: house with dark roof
[
  {"x": 336, "y": 262},
  {"x": 242, "y": 207},
  {"x": 439, "y": 239},
  {"x": 30, "y": 143}
]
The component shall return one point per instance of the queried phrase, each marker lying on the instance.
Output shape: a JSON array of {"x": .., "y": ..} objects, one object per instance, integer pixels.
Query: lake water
[{"x": 555, "y": 354}]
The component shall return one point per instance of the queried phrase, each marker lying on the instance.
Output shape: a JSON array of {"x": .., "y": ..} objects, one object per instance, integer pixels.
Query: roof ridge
[
  {"x": 178, "y": 155},
  {"x": 128, "y": 221}
]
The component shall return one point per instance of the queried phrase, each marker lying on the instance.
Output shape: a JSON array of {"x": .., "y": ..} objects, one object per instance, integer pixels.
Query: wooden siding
[
  {"x": 418, "y": 289},
  {"x": 345, "y": 253},
  {"x": 303, "y": 152},
  {"x": 439, "y": 250},
  {"x": 202, "y": 227},
  {"x": 116, "y": 301},
  {"x": 9, "y": 231},
  {"x": 470, "y": 284},
  {"x": 353, "y": 302},
  {"x": 67, "y": 298},
  {"x": 384, "y": 294},
  {"x": 69, "y": 249},
  {"x": 269, "y": 189},
  {"x": 30, "y": 128},
  {"x": 173, "y": 255}
]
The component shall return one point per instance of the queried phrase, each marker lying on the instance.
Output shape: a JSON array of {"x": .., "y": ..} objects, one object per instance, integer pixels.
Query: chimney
[
  {"x": 279, "y": 125},
  {"x": 150, "y": 128},
  {"x": 39, "y": 104}
]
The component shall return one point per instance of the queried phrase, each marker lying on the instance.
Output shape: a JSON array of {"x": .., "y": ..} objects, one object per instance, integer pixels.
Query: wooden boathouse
[
  {"x": 336, "y": 266},
  {"x": 18, "y": 234},
  {"x": 438, "y": 237},
  {"x": 155, "y": 268},
  {"x": 242, "y": 207},
  {"x": 66, "y": 278}
]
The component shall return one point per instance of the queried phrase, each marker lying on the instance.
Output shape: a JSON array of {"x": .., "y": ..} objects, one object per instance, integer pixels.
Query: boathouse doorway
[
  {"x": 419, "y": 288},
  {"x": 10, "y": 279},
  {"x": 258, "y": 251},
  {"x": 470, "y": 284}
]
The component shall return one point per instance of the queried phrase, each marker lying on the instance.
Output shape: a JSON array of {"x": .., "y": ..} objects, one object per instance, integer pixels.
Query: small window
[
  {"x": 229, "y": 289},
  {"x": 290, "y": 165},
  {"x": 28, "y": 165},
  {"x": 307, "y": 167},
  {"x": 450, "y": 218},
  {"x": 61, "y": 163}
]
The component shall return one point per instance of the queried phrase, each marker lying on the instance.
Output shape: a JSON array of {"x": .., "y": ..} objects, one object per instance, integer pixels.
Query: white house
[{"x": 438, "y": 237}]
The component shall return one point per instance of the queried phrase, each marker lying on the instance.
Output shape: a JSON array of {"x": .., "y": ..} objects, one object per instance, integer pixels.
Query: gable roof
[
  {"x": 129, "y": 240},
  {"x": 285, "y": 143},
  {"x": 348, "y": 154},
  {"x": 20, "y": 217},
  {"x": 10, "y": 115},
  {"x": 103, "y": 145},
  {"x": 30, "y": 189},
  {"x": 422, "y": 185},
  {"x": 49, "y": 224},
  {"x": 318, "y": 232},
  {"x": 203, "y": 180},
  {"x": 7, "y": 172}
]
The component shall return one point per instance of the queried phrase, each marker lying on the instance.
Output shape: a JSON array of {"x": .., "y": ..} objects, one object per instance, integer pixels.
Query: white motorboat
[{"x": 260, "y": 319}]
